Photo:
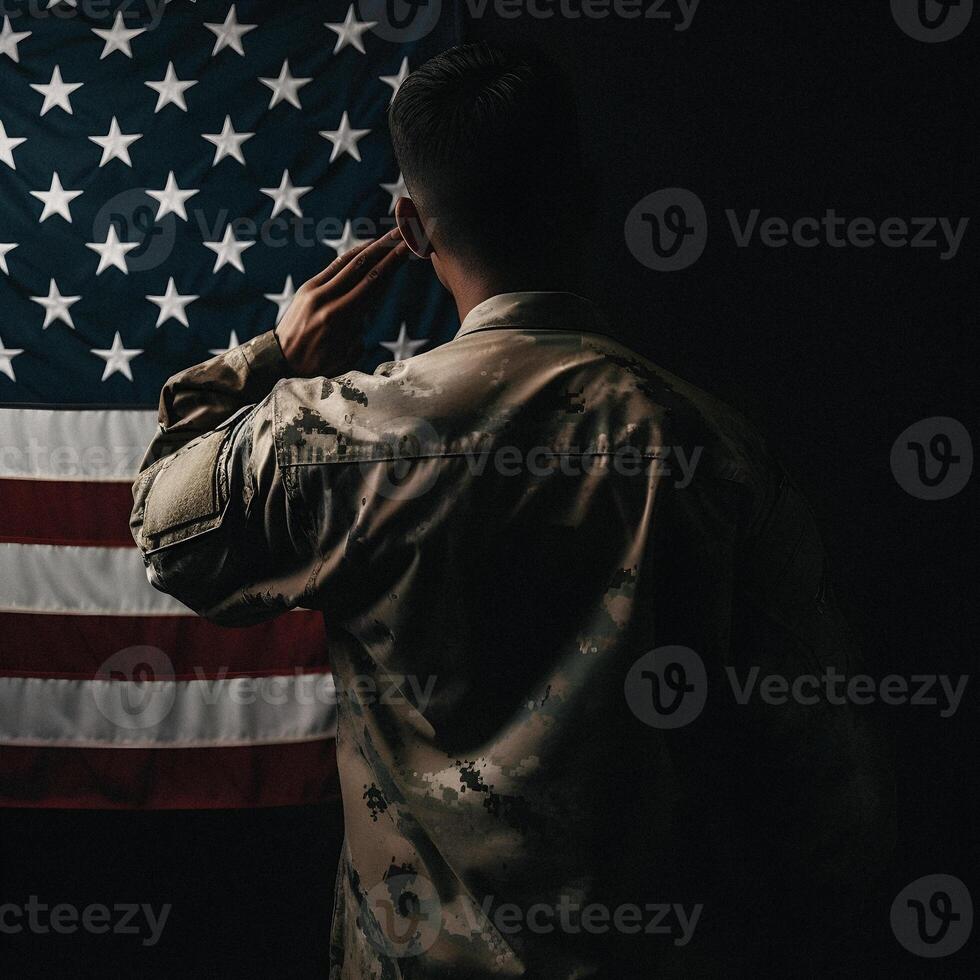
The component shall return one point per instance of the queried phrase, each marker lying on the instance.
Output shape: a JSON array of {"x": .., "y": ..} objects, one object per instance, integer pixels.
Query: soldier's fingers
[
  {"x": 325, "y": 275},
  {"x": 363, "y": 262},
  {"x": 342, "y": 261},
  {"x": 377, "y": 276}
]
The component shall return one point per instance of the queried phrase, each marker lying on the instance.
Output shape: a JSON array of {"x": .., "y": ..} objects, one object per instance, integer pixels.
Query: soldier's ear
[{"x": 412, "y": 228}]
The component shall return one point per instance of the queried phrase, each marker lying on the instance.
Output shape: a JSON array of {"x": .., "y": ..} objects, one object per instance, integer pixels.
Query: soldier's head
[{"x": 487, "y": 143}]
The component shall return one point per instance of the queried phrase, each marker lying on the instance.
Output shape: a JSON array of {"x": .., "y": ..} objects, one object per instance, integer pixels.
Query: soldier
[{"x": 538, "y": 556}]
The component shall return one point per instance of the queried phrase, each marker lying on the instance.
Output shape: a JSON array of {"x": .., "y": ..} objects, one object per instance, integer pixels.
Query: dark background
[{"x": 792, "y": 109}]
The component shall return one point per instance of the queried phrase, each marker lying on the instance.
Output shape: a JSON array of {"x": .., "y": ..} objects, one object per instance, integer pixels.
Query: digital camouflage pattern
[{"x": 496, "y": 530}]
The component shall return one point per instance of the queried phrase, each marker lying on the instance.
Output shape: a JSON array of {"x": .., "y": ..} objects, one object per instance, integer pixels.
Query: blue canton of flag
[{"x": 172, "y": 171}]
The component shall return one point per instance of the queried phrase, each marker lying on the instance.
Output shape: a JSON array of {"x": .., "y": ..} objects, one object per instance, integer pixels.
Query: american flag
[{"x": 170, "y": 172}]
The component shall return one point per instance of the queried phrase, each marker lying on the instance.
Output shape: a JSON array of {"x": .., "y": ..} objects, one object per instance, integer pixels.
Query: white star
[
  {"x": 344, "y": 139},
  {"x": 172, "y": 199},
  {"x": 229, "y": 250},
  {"x": 286, "y": 196},
  {"x": 5, "y": 249},
  {"x": 112, "y": 252},
  {"x": 395, "y": 81},
  {"x": 230, "y": 33},
  {"x": 56, "y": 306},
  {"x": 118, "y": 38},
  {"x": 56, "y": 200},
  {"x": 172, "y": 305},
  {"x": 232, "y": 343},
  {"x": 285, "y": 88},
  {"x": 115, "y": 144},
  {"x": 283, "y": 299},
  {"x": 9, "y": 39},
  {"x": 228, "y": 143},
  {"x": 117, "y": 358},
  {"x": 57, "y": 92},
  {"x": 404, "y": 347},
  {"x": 171, "y": 90},
  {"x": 8, "y": 144},
  {"x": 7, "y": 354},
  {"x": 396, "y": 190},
  {"x": 346, "y": 242},
  {"x": 350, "y": 31}
]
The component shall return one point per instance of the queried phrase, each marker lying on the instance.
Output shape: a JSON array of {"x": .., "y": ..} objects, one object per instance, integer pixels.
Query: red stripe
[
  {"x": 67, "y": 513},
  {"x": 169, "y": 779},
  {"x": 45, "y": 645}
]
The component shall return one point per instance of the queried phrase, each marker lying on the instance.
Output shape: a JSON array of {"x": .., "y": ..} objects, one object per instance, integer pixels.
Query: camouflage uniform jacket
[{"x": 499, "y": 532}]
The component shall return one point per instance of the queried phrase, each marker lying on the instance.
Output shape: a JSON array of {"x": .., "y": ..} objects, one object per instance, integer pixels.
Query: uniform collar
[{"x": 537, "y": 311}]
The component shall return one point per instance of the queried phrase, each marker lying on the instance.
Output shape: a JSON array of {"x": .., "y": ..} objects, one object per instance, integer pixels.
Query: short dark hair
[{"x": 487, "y": 142}]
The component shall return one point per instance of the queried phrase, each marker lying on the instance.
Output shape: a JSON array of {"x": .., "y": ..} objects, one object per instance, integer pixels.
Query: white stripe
[
  {"x": 54, "y": 444},
  {"x": 59, "y": 713},
  {"x": 83, "y": 581}
]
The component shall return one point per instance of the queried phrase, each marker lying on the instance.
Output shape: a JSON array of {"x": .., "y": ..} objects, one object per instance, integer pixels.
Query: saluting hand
[{"x": 321, "y": 331}]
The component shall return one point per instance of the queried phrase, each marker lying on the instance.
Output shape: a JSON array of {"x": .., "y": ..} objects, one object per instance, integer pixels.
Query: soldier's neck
[{"x": 469, "y": 289}]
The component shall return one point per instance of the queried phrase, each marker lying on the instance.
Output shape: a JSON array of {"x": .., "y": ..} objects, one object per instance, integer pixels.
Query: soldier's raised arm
[{"x": 214, "y": 516}]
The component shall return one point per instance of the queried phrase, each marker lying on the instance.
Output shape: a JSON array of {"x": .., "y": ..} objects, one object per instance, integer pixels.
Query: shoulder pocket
[{"x": 188, "y": 495}]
